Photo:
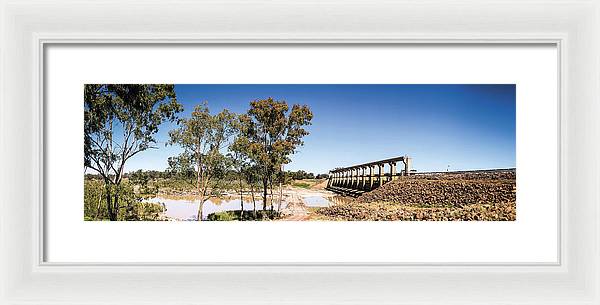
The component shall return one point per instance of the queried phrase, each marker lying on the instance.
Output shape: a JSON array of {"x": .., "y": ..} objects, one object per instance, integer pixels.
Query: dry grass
[{"x": 395, "y": 211}]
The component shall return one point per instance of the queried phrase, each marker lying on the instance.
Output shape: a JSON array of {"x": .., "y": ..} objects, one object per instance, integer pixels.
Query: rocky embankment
[{"x": 486, "y": 195}]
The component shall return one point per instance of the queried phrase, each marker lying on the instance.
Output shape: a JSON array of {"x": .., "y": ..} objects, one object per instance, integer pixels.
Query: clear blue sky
[{"x": 457, "y": 126}]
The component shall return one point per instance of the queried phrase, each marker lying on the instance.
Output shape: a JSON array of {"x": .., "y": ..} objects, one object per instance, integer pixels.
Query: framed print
[{"x": 266, "y": 152}]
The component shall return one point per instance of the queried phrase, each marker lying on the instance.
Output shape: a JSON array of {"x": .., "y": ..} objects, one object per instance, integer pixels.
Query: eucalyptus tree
[
  {"x": 120, "y": 121},
  {"x": 182, "y": 167},
  {"x": 274, "y": 132},
  {"x": 203, "y": 137},
  {"x": 251, "y": 175},
  {"x": 239, "y": 154}
]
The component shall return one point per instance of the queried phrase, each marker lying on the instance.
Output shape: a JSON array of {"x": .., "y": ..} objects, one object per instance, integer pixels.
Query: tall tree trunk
[
  {"x": 281, "y": 177},
  {"x": 112, "y": 212},
  {"x": 253, "y": 201},
  {"x": 280, "y": 197},
  {"x": 116, "y": 203},
  {"x": 202, "y": 199},
  {"x": 198, "y": 184},
  {"x": 241, "y": 198},
  {"x": 98, "y": 207},
  {"x": 200, "y": 208},
  {"x": 271, "y": 190},
  {"x": 109, "y": 206},
  {"x": 265, "y": 192}
]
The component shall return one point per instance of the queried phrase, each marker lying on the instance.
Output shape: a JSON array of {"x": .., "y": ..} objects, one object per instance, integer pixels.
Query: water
[
  {"x": 316, "y": 201},
  {"x": 184, "y": 209},
  {"x": 340, "y": 199}
]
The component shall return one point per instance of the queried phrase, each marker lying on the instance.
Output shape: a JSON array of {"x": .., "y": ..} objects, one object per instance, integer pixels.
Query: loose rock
[{"x": 441, "y": 196}]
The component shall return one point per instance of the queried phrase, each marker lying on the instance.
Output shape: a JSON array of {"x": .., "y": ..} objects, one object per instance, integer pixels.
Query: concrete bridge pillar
[
  {"x": 350, "y": 178},
  {"x": 346, "y": 178},
  {"x": 393, "y": 171},
  {"x": 407, "y": 165},
  {"x": 371, "y": 176},
  {"x": 381, "y": 173},
  {"x": 362, "y": 178},
  {"x": 349, "y": 182}
]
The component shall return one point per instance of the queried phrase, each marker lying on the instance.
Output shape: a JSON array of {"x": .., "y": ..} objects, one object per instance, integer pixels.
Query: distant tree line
[
  {"x": 171, "y": 172},
  {"x": 301, "y": 174}
]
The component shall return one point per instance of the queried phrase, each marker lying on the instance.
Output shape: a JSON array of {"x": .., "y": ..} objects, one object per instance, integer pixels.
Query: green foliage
[
  {"x": 174, "y": 184},
  {"x": 182, "y": 167},
  {"x": 247, "y": 215},
  {"x": 136, "y": 110},
  {"x": 299, "y": 175},
  {"x": 132, "y": 209},
  {"x": 93, "y": 198},
  {"x": 143, "y": 179},
  {"x": 119, "y": 122},
  {"x": 202, "y": 137},
  {"x": 301, "y": 184},
  {"x": 152, "y": 174},
  {"x": 222, "y": 216},
  {"x": 146, "y": 211},
  {"x": 272, "y": 133}
]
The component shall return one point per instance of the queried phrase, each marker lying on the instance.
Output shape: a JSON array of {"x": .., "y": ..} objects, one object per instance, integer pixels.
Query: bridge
[{"x": 355, "y": 180}]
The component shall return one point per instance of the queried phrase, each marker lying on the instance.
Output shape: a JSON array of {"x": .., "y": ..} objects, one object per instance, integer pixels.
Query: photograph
[{"x": 299, "y": 152}]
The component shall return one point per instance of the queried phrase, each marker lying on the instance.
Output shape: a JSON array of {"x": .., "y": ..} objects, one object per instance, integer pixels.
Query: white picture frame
[{"x": 29, "y": 25}]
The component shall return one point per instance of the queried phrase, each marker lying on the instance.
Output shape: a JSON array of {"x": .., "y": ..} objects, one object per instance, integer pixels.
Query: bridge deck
[{"x": 386, "y": 161}]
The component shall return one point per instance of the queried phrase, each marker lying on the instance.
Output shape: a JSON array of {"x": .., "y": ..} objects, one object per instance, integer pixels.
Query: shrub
[
  {"x": 131, "y": 205},
  {"x": 248, "y": 215}
]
